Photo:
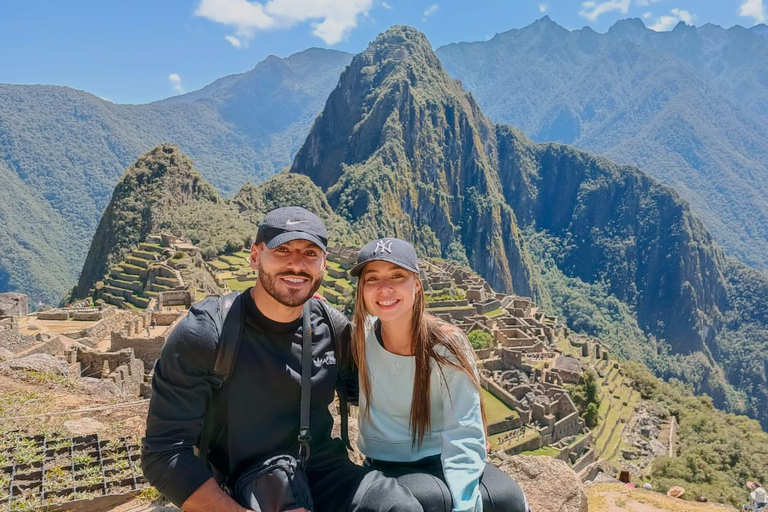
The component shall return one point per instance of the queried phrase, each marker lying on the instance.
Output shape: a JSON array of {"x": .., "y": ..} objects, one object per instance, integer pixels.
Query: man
[{"x": 258, "y": 408}]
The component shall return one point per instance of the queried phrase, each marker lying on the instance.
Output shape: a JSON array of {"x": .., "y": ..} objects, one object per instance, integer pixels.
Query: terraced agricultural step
[
  {"x": 139, "y": 302},
  {"x": 170, "y": 282},
  {"x": 150, "y": 247},
  {"x": 134, "y": 286},
  {"x": 138, "y": 262},
  {"x": 145, "y": 255},
  {"x": 113, "y": 290},
  {"x": 133, "y": 269},
  {"x": 157, "y": 287},
  {"x": 111, "y": 299}
]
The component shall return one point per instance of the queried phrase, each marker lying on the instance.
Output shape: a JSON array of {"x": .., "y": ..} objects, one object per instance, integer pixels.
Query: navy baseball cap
[
  {"x": 393, "y": 250},
  {"x": 292, "y": 223}
]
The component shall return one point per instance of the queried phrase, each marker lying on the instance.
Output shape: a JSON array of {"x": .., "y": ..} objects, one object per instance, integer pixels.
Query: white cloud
[
  {"x": 542, "y": 7},
  {"x": 234, "y": 41},
  {"x": 647, "y": 15},
  {"x": 593, "y": 10},
  {"x": 753, "y": 9},
  {"x": 175, "y": 80},
  {"x": 331, "y": 20},
  {"x": 432, "y": 10},
  {"x": 664, "y": 23},
  {"x": 386, "y": 5},
  {"x": 644, "y": 3}
]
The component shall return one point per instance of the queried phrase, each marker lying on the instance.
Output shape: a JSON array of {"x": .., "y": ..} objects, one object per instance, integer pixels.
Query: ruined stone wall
[
  {"x": 511, "y": 359},
  {"x": 102, "y": 328},
  {"x": 165, "y": 317},
  {"x": 146, "y": 349},
  {"x": 504, "y": 426},
  {"x": 12, "y": 339},
  {"x": 120, "y": 367},
  {"x": 175, "y": 298},
  {"x": 13, "y": 304},
  {"x": 487, "y": 306},
  {"x": 529, "y": 445},
  {"x": 568, "y": 426}
]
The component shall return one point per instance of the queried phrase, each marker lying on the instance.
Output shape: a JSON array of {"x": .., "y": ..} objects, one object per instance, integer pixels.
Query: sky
[{"x": 138, "y": 51}]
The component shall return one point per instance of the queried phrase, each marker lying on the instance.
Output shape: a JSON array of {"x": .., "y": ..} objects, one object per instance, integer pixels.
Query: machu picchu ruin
[{"x": 530, "y": 362}]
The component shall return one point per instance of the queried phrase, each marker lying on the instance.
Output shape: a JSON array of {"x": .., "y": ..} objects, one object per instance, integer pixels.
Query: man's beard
[{"x": 290, "y": 298}]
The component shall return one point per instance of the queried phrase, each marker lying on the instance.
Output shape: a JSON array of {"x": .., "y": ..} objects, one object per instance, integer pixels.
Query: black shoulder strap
[
  {"x": 306, "y": 385},
  {"x": 338, "y": 323},
  {"x": 231, "y": 320}
]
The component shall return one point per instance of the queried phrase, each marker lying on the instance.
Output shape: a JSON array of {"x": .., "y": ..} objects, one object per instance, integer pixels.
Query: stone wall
[
  {"x": 12, "y": 339},
  {"x": 531, "y": 444},
  {"x": 102, "y": 328},
  {"x": 120, "y": 367},
  {"x": 504, "y": 426},
  {"x": 487, "y": 306},
  {"x": 568, "y": 426},
  {"x": 175, "y": 298},
  {"x": 13, "y": 304}
]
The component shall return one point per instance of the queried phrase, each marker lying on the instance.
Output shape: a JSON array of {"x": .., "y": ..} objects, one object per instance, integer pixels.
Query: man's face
[{"x": 292, "y": 272}]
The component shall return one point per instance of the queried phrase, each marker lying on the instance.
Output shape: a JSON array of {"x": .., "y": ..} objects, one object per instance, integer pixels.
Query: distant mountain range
[
  {"x": 401, "y": 149},
  {"x": 689, "y": 106},
  {"x": 62, "y": 152}
]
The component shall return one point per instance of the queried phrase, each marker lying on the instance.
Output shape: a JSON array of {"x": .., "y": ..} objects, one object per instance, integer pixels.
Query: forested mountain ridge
[
  {"x": 401, "y": 150},
  {"x": 689, "y": 106},
  {"x": 65, "y": 151}
]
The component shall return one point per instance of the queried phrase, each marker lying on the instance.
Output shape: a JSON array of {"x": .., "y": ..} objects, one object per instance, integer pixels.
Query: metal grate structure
[{"x": 67, "y": 473}]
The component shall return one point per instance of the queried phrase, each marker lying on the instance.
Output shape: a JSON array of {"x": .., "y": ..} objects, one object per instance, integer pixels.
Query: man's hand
[{"x": 208, "y": 497}]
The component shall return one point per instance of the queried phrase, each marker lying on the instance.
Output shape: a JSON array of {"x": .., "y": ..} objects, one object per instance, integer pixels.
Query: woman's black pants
[{"x": 425, "y": 479}]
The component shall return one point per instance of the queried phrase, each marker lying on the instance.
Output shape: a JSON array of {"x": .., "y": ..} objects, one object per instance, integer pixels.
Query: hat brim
[
  {"x": 357, "y": 269},
  {"x": 295, "y": 235}
]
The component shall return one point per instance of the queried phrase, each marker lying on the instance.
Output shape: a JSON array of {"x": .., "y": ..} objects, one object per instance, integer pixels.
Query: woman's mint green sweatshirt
[{"x": 457, "y": 433}]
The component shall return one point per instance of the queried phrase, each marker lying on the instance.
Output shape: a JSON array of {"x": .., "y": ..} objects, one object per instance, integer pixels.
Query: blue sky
[{"x": 139, "y": 51}]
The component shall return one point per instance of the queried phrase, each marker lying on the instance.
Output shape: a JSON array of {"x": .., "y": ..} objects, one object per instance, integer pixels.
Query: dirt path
[{"x": 614, "y": 497}]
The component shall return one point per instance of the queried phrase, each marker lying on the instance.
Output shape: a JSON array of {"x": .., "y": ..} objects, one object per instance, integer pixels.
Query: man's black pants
[{"x": 339, "y": 485}]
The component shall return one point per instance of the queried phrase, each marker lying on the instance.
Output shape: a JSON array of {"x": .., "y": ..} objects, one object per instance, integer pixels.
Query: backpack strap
[
  {"x": 339, "y": 323},
  {"x": 231, "y": 319},
  {"x": 306, "y": 385}
]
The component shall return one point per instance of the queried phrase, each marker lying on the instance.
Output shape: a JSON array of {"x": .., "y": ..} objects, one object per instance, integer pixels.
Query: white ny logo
[{"x": 383, "y": 245}]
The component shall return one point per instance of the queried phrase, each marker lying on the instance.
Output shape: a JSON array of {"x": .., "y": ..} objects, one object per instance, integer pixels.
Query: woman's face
[{"x": 389, "y": 291}]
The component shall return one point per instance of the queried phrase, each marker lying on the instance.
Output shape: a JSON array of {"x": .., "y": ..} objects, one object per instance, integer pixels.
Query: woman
[{"x": 421, "y": 417}]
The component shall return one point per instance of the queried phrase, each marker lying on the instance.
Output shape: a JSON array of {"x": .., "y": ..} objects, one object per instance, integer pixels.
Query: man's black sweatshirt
[{"x": 257, "y": 410}]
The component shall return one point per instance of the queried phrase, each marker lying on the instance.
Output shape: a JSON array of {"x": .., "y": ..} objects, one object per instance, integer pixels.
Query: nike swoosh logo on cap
[{"x": 294, "y": 222}]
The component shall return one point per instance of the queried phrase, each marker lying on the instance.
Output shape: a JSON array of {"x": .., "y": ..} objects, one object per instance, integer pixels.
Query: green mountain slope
[
  {"x": 162, "y": 192},
  {"x": 690, "y": 107},
  {"x": 67, "y": 148},
  {"x": 403, "y": 151},
  {"x": 33, "y": 240}
]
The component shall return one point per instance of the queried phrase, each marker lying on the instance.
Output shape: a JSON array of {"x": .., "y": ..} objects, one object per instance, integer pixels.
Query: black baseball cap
[
  {"x": 393, "y": 250},
  {"x": 292, "y": 223}
]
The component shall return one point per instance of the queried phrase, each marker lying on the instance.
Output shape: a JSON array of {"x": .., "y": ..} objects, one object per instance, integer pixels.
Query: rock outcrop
[{"x": 549, "y": 484}]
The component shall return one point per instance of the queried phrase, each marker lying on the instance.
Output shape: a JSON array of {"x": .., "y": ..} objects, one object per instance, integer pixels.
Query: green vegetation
[
  {"x": 480, "y": 339},
  {"x": 716, "y": 452},
  {"x": 59, "y": 179},
  {"x": 586, "y": 397},
  {"x": 706, "y": 139},
  {"x": 495, "y": 410}
]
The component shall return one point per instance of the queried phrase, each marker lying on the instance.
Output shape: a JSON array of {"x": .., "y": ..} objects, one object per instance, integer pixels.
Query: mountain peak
[{"x": 630, "y": 26}]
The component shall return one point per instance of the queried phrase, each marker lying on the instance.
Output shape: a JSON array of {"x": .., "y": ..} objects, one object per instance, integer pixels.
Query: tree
[
  {"x": 590, "y": 417},
  {"x": 480, "y": 339}
]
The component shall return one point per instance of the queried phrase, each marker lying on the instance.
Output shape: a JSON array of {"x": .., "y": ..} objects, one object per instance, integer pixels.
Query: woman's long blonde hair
[{"x": 428, "y": 333}]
